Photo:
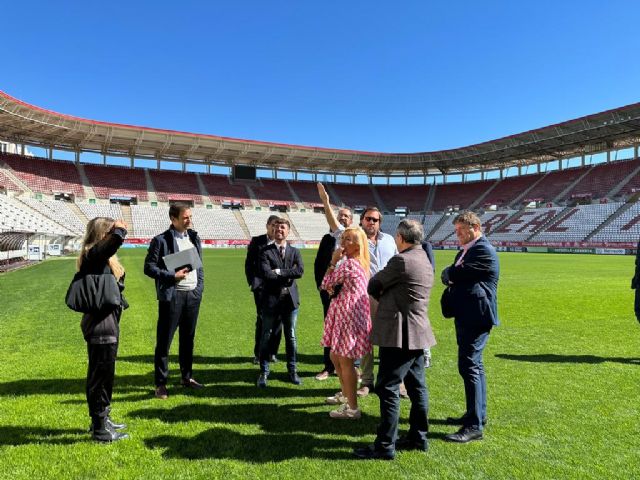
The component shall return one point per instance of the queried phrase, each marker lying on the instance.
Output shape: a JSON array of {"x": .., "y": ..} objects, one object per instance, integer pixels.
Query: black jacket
[
  {"x": 154, "y": 267},
  {"x": 104, "y": 327},
  {"x": 291, "y": 268},
  {"x": 323, "y": 257},
  {"x": 252, "y": 262}
]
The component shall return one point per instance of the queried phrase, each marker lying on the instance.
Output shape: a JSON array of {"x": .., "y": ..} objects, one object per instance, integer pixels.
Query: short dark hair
[
  {"x": 272, "y": 218},
  {"x": 468, "y": 218},
  {"x": 281, "y": 220},
  {"x": 176, "y": 209},
  {"x": 368, "y": 209},
  {"x": 411, "y": 231}
]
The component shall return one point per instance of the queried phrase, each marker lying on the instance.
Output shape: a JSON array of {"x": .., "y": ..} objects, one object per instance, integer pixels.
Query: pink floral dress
[{"x": 348, "y": 323}]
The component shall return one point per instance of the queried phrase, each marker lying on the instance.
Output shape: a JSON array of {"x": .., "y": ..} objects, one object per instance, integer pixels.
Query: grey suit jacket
[{"x": 403, "y": 288}]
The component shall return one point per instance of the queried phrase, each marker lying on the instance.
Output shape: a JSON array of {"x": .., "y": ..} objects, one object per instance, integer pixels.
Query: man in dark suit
[
  {"x": 281, "y": 264},
  {"x": 252, "y": 272},
  {"x": 402, "y": 331},
  {"x": 179, "y": 295},
  {"x": 323, "y": 259},
  {"x": 473, "y": 279}
]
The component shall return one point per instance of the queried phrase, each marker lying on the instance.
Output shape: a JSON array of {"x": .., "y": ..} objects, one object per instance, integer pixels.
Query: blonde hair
[
  {"x": 363, "y": 247},
  {"x": 97, "y": 229}
]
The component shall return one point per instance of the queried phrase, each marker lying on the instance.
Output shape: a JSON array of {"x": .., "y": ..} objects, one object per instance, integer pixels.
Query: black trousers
[
  {"x": 276, "y": 337},
  {"x": 100, "y": 374},
  {"x": 326, "y": 301},
  {"x": 396, "y": 365},
  {"x": 181, "y": 313}
]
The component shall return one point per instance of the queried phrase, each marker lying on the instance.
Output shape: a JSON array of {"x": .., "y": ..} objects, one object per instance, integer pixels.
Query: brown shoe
[
  {"x": 161, "y": 392},
  {"x": 363, "y": 391},
  {"x": 190, "y": 383}
]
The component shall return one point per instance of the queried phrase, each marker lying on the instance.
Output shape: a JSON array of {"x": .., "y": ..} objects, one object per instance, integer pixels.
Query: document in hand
[{"x": 185, "y": 258}]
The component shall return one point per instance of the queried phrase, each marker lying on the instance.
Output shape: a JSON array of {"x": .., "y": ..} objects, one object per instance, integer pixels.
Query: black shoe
[
  {"x": 294, "y": 378},
  {"x": 256, "y": 361},
  {"x": 464, "y": 435},
  {"x": 262, "y": 380},
  {"x": 101, "y": 432},
  {"x": 191, "y": 383},
  {"x": 370, "y": 453},
  {"x": 406, "y": 443},
  {"x": 273, "y": 359},
  {"x": 461, "y": 420},
  {"x": 111, "y": 425}
]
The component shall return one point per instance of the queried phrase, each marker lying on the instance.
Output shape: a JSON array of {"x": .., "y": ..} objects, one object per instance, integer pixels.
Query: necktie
[{"x": 282, "y": 252}]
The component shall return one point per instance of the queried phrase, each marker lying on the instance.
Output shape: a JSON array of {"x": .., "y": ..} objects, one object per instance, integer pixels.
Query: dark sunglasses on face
[{"x": 372, "y": 219}]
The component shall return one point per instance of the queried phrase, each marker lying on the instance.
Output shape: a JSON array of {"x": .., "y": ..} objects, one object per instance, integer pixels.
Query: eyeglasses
[{"x": 372, "y": 219}]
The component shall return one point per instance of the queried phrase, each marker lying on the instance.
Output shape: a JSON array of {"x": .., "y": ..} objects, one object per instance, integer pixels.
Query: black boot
[
  {"x": 111, "y": 425},
  {"x": 102, "y": 432}
]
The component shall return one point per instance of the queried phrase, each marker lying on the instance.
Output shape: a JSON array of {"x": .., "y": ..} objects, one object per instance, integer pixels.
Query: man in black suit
[
  {"x": 252, "y": 272},
  {"x": 179, "y": 295},
  {"x": 473, "y": 279},
  {"x": 323, "y": 259},
  {"x": 281, "y": 264}
]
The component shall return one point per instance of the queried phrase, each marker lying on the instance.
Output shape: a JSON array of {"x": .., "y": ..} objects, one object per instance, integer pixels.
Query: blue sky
[{"x": 376, "y": 76}]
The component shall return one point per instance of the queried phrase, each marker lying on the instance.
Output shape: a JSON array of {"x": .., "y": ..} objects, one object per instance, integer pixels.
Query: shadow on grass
[
  {"x": 555, "y": 358},
  {"x": 272, "y": 418},
  {"x": 132, "y": 388},
  {"x": 303, "y": 358},
  {"x": 222, "y": 443},
  {"x": 15, "y": 435}
]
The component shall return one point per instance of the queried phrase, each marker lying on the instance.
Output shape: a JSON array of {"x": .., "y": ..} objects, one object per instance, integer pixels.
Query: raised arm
[{"x": 328, "y": 211}]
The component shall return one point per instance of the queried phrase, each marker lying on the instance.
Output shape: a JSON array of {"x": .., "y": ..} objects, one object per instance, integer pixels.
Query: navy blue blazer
[
  {"x": 154, "y": 267},
  {"x": 272, "y": 284},
  {"x": 475, "y": 286}
]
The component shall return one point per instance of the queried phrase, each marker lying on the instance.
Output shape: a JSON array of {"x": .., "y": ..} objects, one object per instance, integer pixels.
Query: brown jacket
[{"x": 403, "y": 289}]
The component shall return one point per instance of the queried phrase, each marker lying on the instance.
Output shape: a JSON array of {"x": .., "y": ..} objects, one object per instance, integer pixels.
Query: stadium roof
[{"x": 21, "y": 122}]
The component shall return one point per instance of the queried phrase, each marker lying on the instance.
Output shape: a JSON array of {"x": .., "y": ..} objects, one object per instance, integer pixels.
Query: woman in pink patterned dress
[{"x": 348, "y": 322}]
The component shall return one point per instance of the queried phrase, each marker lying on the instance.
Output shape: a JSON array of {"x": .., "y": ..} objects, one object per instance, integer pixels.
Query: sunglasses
[{"x": 372, "y": 219}]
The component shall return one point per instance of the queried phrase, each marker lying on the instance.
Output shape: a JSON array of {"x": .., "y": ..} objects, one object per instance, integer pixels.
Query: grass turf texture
[{"x": 563, "y": 373}]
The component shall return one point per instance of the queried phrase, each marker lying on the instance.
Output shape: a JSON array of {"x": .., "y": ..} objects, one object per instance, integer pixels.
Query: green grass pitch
[{"x": 563, "y": 381}]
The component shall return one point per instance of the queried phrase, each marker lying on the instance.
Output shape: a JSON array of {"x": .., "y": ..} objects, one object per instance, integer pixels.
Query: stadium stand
[
  {"x": 602, "y": 178},
  {"x": 45, "y": 176},
  {"x": 216, "y": 224},
  {"x": 92, "y": 210},
  {"x": 7, "y": 183},
  {"x": 149, "y": 221},
  {"x": 57, "y": 211},
  {"x": 273, "y": 192},
  {"x": 176, "y": 186},
  {"x": 220, "y": 189},
  {"x": 354, "y": 195},
  {"x": 460, "y": 195},
  {"x": 524, "y": 223},
  {"x": 554, "y": 184},
  {"x": 256, "y": 220},
  {"x": 624, "y": 228},
  {"x": 509, "y": 189},
  {"x": 310, "y": 226},
  {"x": 413, "y": 197},
  {"x": 307, "y": 192},
  {"x": 577, "y": 223},
  {"x": 112, "y": 181},
  {"x": 16, "y": 216}
]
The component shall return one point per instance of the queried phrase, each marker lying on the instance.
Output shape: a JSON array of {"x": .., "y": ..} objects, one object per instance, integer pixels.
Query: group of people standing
[{"x": 375, "y": 289}]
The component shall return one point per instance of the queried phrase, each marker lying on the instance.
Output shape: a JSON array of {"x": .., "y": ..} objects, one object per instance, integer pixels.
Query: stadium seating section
[{"x": 606, "y": 213}]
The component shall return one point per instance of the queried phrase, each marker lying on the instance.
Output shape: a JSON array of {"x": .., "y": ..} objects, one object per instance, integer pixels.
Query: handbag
[
  {"x": 447, "y": 303},
  {"x": 90, "y": 293}
]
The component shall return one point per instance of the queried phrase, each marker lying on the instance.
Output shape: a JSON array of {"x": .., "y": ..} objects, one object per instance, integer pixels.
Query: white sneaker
[
  {"x": 337, "y": 399},
  {"x": 345, "y": 412}
]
